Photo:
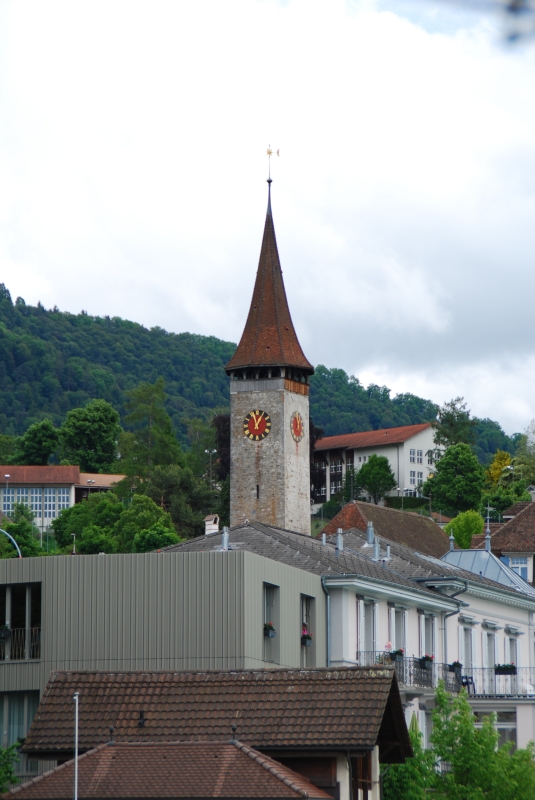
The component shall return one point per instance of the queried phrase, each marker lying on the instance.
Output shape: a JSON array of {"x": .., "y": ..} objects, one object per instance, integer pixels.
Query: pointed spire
[{"x": 269, "y": 338}]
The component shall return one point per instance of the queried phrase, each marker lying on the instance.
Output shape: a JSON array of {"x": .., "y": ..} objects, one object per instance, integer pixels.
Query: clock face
[
  {"x": 296, "y": 426},
  {"x": 256, "y": 425}
]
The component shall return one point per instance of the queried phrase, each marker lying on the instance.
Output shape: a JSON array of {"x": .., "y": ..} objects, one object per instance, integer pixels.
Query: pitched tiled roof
[
  {"x": 404, "y": 527},
  {"x": 516, "y": 508},
  {"x": 98, "y": 480},
  {"x": 517, "y": 535},
  {"x": 274, "y": 708},
  {"x": 478, "y": 541},
  {"x": 269, "y": 338},
  {"x": 37, "y": 475},
  {"x": 186, "y": 770},
  {"x": 371, "y": 438},
  {"x": 418, "y": 567},
  {"x": 297, "y": 550}
]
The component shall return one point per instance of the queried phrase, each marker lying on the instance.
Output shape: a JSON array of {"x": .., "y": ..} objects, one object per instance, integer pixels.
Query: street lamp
[
  {"x": 210, "y": 453},
  {"x": 512, "y": 466},
  {"x": 398, "y": 489}
]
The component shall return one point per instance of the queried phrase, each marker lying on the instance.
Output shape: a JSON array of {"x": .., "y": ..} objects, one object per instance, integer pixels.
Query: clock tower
[{"x": 269, "y": 416}]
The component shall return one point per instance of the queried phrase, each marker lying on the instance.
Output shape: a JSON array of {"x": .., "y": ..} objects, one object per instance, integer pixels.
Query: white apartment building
[{"x": 406, "y": 449}]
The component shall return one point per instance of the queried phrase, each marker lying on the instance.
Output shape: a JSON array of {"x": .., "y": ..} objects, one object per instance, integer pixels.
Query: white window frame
[
  {"x": 412, "y": 456},
  {"x": 412, "y": 479}
]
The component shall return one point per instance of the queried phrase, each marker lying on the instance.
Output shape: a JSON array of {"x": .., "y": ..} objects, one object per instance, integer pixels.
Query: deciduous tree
[
  {"x": 376, "y": 477},
  {"x": 499, "y": 462},
  {"x": 458, "y": 481},
  {"x": 89, "y": 437},
  {"x": 464, "y": 526},
  {"x": 37, "y": 445}
]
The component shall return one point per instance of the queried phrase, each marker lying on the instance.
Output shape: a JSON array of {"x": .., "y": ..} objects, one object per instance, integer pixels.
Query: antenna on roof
[
  {"x": 111, "y": 734},
  {"x": 141, "y": 721}
]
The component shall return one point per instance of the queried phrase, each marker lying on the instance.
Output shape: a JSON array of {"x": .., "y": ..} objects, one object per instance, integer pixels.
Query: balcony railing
[
  {"x": 478, "y": 681},
  {"x": 22, "y": 645}
]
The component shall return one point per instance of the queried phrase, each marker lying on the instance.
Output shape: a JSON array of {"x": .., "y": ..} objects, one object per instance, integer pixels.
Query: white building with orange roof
[{"x": 406, "y": 449}]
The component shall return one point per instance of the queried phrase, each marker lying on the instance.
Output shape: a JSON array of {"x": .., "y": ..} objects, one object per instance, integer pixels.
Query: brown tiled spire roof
[{"x": 269, "y": 338}]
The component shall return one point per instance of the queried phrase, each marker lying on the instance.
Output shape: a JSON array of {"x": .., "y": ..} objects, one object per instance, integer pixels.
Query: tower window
[{"x": 257, "y": 491}]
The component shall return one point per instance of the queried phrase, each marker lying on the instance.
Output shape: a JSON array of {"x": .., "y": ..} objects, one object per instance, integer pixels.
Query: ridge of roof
[
  {"x": 269, "y": 338},
  {"x": 382, "y": 436},
  {"x": 520, "y": 527}
]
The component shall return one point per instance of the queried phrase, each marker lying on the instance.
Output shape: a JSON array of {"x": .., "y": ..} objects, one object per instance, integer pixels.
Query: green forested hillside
[{"x": 52, "y": 361}]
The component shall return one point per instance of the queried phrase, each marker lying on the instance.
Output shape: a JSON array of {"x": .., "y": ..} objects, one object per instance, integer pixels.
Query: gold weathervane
[{"x": 269, "y": 153}]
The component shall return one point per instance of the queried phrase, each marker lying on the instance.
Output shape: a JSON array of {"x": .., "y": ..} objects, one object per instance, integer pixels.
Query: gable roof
[
  {"x": 269, "y": 338},
  {"x": 383, "y": 436},
  {"x": 518, "y": 534},
  {"x": 172, "y": 770},
  {"x": 40, "y": 475},
  {"x": 404, "y": 527},
  {"x": 316, "y": 709},
  {"x": 421, "y": 568},
  {"x": 300, "y": 551},
  {"x": 516, "y": 508}
]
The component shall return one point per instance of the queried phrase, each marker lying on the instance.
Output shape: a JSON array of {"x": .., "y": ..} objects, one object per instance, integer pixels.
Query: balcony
[
  {"x": 24, "y": 644},
  {"x": 478, "y": 681}
]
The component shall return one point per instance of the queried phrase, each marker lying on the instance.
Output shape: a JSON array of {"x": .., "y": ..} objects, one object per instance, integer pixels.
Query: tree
[
  {"x": 142, "y": 514},
  {"x": 186, "y": 497},
  {"x": 499, "y": 462},
  {"x": 8, "y": 758},
  {"x": 23, "y": 530},
  {"x": 154, "y": 538},
  {"x": 524, "y": 460},
  {"x": 221, "y": 423},
  {"x": 8, "y": 445},
  {"x": 410, "y": 780},
  {"x": 465, "y": 762},
  {"x": 89, "y": 437},
  {"x": 101, "y": 510},
  {"x": 458, "y": 481},
  {"x": 453, "y": 424},
  {"x": 37, "y": 445},
  {"x": 464, "y": 526},
  {"x": 376, "y": 477},
  {"x": 153, "y": 441}
]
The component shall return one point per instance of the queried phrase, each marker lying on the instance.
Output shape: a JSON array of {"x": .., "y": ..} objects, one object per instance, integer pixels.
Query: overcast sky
[{"x": 133, "y": 167}]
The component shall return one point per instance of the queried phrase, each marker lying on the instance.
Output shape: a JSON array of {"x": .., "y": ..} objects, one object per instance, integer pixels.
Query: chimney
[
  {"x": 224, "y": 539},
  {"x": 324, "y": 538},
  {"x": 211, "y": 524},
  {"x": 339, "y": 541},
  {"x": 376, "y": 549},
  {"x": 369, "y": 533},
  {"x": 452, "y": 543}
]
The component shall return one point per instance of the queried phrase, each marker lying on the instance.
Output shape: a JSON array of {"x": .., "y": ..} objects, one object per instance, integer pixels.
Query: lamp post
[
  {"x": 210, "y": 453},
  {"x": 512, "y": 466},
  {"x": 427, "y": 498},
  {"x": 75, "y": 698},
  {"x": 398, "y": 489}
]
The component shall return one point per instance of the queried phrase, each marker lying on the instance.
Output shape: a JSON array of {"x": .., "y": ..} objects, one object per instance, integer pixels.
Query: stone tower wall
[{"x": 277, "y": 465}]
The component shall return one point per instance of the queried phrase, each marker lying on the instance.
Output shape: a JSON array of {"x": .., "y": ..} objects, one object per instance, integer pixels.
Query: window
[
  {"x": 307, "y": 626},
  {"x": 466, "y": 655},
  {"x": 64, "y": 499},
  {"x": 364, "y": 458},
  {"x": 22, "y": 496},
  {"x": 512, "y": 651},
  {"x": 50, "y": 503},
  {"x": 420, "y": 478},
  {"x": 36, "y": 502},
  {"x": 323, "y": 491},
  {"x": 336, "y": 486},
  {"x": 349, "y": 458},
  {"x": 429, "y": 462},
  {"x": 271, "y": 615},
  {"x": 20, "y": 606},
  {"x": 398, "y": 637},
  {"x": 323, "y": 466},
  {"x": 360, "y": 459},
  {"x": 420, "y": 456},
  {"x": 412, "y": 458},
  {"x": 520, "y": 566},
  {"x": 412, "y": 480},
  {"x": 9, "y": 500},
  {"x": 336, "y": 466}
]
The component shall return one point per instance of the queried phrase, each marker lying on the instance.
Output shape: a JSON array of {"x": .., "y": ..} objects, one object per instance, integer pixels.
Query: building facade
[
  {"x": 269, "y": 406},
  {"x": 406, "y": 449}
]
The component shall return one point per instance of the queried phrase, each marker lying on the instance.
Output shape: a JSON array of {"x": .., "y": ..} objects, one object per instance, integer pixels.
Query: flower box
[
  {"x": 306, "y": 641},
  {"x": 426, "y": 662},
  {"x": 456, "y": 667},
  {"x": 269, "y": 633},
  {"x": 5, "y": 633},
  {"x": 505, "y": 669},
  {"x": 398, "y": 657}
]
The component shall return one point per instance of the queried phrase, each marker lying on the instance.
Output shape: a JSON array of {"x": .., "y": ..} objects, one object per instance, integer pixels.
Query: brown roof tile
[
  {"x": 319, "y": 709},
  {"x": 269, "y": 338},
  {"x": 516, "y": 508},
  {"x": 99, "y": 480},
  {"x": 404, "y": 527},
  {"x": 517, "y": 535},
  {"x": 50, "y": 474},
  {"x": 371, "y": 438},
  {"x": 178, "y": 769}
]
